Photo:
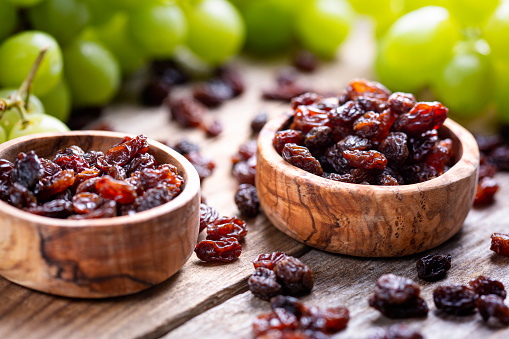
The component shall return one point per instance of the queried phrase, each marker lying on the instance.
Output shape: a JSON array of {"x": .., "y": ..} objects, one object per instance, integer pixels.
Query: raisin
[
  {"x": 301, "y": 157},
  {"x": 88, "y": 186},
  {"x": 263, "y": 284},
  {"x": 367, "y": 125},
  {"x": 213, "y": 129},
  {"x": 500, "y": 243},
  {"x": 455, "y": 299},
  {"x": 185, "y": 147},
  {"x": 372, "y": 89},
  {"x": 212, "y": 93},
  {"x": 485, "y": 193},
  {"x": 203, "y": 165},
  {"x": 269, "y": 260},
  {"x": 394, "y": 147},
  {"x": 438, "y": 157},
  {"x": 493, "y": 306},
  {"x": 245, "y": 171},
  {"x": 246, "y": 200},
  {"x": 372, "y": 104},
  {"x": 287, "y": 88},
  {"x": 318, "y": 137},
  {"x": 225, "y": 250},
  {"x": 365, "y": 159},
  {"x": 20, "y": 196},
  {"x": 305, "y": 61},
  {"x": 162, "y": 175},
  {"x": 420, "y": 146},
  {"x": 386, "y": 119},
  {"x": 279, "y": 319},
  {"x": 398, "y": 297},
  {"x": 27, "y": 170},
  {"x": 287, "y": 137},
  {"x": 418, "y": 173},
  {"x": 387, "y": 180},
  {"x": 295, "y": 276},
  {"x": 423, "y": 117},
  {"x": 154, "y": 92},
  {"x": 334, "y": 157},
  {"x": 483, "y": 285},
  {"x": 86, "y": 202},
  {"x": 289, "y": 303},
  {"x": 154, "y": 197},
  {"x": 500, "y": 157},
  {"x": 354, "y": 142},
  {"x": 115, "y": 190},
  {"x": 340, "y": 177},
  {"x": 50, "y": 168},
  {"x": 92, "y": 156},
  {"x": 306, "y": 99},
  {"x": 187, "y": 111},
  {"x": 433, "y": 267},
  {"x": 140, "y": 162},
  {"x": 328, "y": 320},
  {"x": 57, "y": 208},
  {"x": 246, "y": 151},
  {"x": 226, "y": 227},
  {"x": 169, "y": 72},
  {"x": 307, "y": 117},
  {"x": 258, "y": 122},
  {"x": 207, "y": 215},
  {"x": 50, "y": 186},
  {"x": 401, "y": 103},
  {"x": 123, "y": 152},
  {"x": 107, "y": 209},
  {"x": 346, "y": 114}
]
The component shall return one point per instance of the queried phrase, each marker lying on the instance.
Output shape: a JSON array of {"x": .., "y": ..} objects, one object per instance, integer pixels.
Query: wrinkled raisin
[
  {"x": 269, "y": 260},
  {"x": 487, "y": 187},
  {"x": 207, "y": 216},
  {"x": 154, "y": 92},
  {"x": 279, "y": 319},
  {"x": 318, "y": 137},
  {"x": 483, "y": 285},
  {"x": 246, "y": 199},
  {"x": 27, "y": 170},
  {"x": 493, "y": 306},
  {"x": 433, "y": 267},
  {"x": 187, "y": 111},
  {"x": 328, "y": 320},
  {"x": 394, "y": 147},
  {"x": 295, "y": 276},
  {"x": 401, "y": 103},
  {"x": 307, "y": 117},
  {"x": 500, "y": 157},
  {"x": 213, "y": 129},
  {"x": 373, "y": 89},
  {"x": 301, "y": 157},
  {"x": 86, "y": 202},
  {"x": 258, "y": 122},
  {"x": 203, "y": 165},
  {"x": 20, "y": 196},
  {"x": 212, "y": 93},
  {"x": 287, "y": 137},
  {"x": 263, "y": 284},
  {"x": 305, "y": 61},
  {"x": 225, "y": 250},
  {"x": 226, "y": 227},
  {"x": 50, "y": 186},
  {"x": 365, "y": 159},
  {"x": 57, "y": 208},
  {"x": 245, "y": 171},
  {"x": 500, "y": 243},
  {"x": 367, "y": 125},
  {"x": 455, "y": 299},
  {"x": 422, "y": 117},
  {"x": 107, "y": 209},
  {"x": 116, "y": 190},
  {"x": 346, "y": 114}
]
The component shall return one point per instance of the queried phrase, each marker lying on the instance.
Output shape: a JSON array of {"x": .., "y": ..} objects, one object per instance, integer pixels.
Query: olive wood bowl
[
  {"x": 98, "y": 258},
  {"x": 366, "y": 220}
]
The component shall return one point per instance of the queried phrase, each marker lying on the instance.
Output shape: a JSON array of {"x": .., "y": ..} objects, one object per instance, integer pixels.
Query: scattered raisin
[
  {"x": 225, "y": 250},
  {"x": 295, "y": 276},
  {"x": 263, "y": 284},
  {"x": 433, "y": 267},
  {"x": 485, "y": 192},
  {"x": 269, "y": 260},
  {"x": 207, "y": 215},
  {"x": 455, "y": 299},
  {"x": 305, "y": 61},
  {"x": 500, "y": 243},
  {"x": 258, "y": 122},
  {"x": 187, "y": 111},
  {"x": 213, "y": 92},
  {"x": 483, "y": 285},
  {"x": 493, "y": 306},
  {"x": 154, "y": 92},
  {"x": 226, "y": 227},
  {"x": 246, "y": 200}
]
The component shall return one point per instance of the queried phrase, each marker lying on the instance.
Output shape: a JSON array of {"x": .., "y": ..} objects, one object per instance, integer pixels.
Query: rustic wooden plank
[{"x": 348, "y": 281}]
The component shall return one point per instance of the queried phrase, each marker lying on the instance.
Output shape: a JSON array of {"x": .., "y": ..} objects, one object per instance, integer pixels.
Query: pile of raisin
[
  {"x": 87, "y": 185},
  {"x": 224, "y": 235},
  {"x": 433, "y": 267},
  {"x": 244, "y": 171},
  {"x": 292, "y": 319},
  {"x": 398, "y": 297},
  {"x": 278, "y": 273},
  {"x": 483, "y": 293},
  {"x": 366, "y": 135},
  {"x": 494, "y": 157}
]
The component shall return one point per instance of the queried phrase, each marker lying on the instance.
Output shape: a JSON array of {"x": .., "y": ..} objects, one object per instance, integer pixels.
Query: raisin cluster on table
[
  {"x": 366, "y": 135},
  {"x": 85, "y": 185}
]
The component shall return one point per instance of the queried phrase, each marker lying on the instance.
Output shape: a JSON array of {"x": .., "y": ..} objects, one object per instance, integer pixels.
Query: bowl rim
[
  {"x": 464, "y": 166},
  {"x": 191, "y": 188}
]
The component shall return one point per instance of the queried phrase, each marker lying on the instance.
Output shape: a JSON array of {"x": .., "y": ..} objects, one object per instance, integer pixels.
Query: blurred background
[{"x": 454, "y": 51}]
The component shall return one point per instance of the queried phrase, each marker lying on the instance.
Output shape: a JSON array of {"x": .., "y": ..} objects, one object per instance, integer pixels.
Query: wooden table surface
[{"x": 205, "y": 300}]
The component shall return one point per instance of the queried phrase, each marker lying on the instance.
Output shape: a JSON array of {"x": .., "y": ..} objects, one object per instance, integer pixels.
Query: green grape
[
  {"x": 24, "y": 3},
  {"x": 501, "y": 71},
  {"x": 158, "y": 28},
  {"x": 38, "y": 123},
  {"x": 269, "y": 25},
  {"x": 63, "y": 19},
  {"x": 465, "y": 84},
  {"x": 129, "y": 5},
  {"x": 215, "y": 30},
  {"x": 11, "y": 116},
  {"x": 497, "y": 31},
  {"x": 113, "y": 34},
  {"x": 92, "y": 73},
  {"x": 100, "y": 12},
  {"x": 321, "y": 25},
  {"x": 8, "y": 19},
  {"x": 471, "y": 13},
  {"x": 18, "y": 53},
  {"x": 412, "y": 5},
  {"x": 3, "y": 136},
  {"x": 58, "y": 101},
  {"x": 415, "y": 48}
]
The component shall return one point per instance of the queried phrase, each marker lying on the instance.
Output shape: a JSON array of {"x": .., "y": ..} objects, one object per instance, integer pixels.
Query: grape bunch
[{"x": 455, "y": 48}]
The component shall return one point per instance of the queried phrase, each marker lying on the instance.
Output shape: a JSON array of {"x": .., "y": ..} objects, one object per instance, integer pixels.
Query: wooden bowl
[
  {"x": 101, "y": 257},
  {"x": 363, "y": 220}
]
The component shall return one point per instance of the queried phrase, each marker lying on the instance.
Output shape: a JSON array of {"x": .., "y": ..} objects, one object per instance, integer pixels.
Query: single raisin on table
[
  {"x": 493, "y": 306},
  {"x": 485, "y": 194},
  {"x": 295, "y": 276},
  {"x": 433, "y": 267},
  {"x": 258, "y": 122},
  {"x": 398, "y": 297},
  {"x": 500, "y": 243},
  {"x": 483, "y": 285},
  {"x": 455, "y": 299},
  {"x": 263, "y": 284},
  {"x": 246, "y": 200},
  {"x": 225, "y": 250}
]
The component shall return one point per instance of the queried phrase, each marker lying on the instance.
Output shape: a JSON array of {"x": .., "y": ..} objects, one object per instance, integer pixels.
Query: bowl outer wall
[
  {"x": 101, "y": 257},
  {"x": 362, "y": 220}
]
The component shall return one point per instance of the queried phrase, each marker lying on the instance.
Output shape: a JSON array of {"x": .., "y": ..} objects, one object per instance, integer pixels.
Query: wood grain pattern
[
  {"x": 103, "y": 257},
  {"x": 364, "y": 220}
]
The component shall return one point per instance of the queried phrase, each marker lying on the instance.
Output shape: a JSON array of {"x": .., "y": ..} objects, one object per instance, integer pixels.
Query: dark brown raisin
[
  {"x": 412, "y": 309},
  {"x": 306, "y": 99},
  {"x": 334, "y": 157},
  {"x": 245, "y": 171},
  {"x": 301, "y": 157},
  {"x": 433, "y": 267},
  {"x": 401, "y": 103},
  {"x": 154, "y": 92},
  {"x": 372, "y": 104},
  {"x": 367, "y": 125},
  {"x": 346, "y": 114},
  {"x": 305, "y": 61},
  {"x": 287, "y": 137},
  {"x": 86, "y": 202},
  {"x": 295, "y": 276},
  {"x": 246, "y": 199},
  {"x": 394, "y": 147},
  {"x": 258, "y": 122},
  {"x": 123, "y": 152},
  {"x": 107, "y": 209},
  {"x": 318, "y": 137},
  {"x": 207, "y": 215},
  {"x": 27, "y": 170},
  {"x": 213, "y": 92},
  {"x": 213, "y": 129},
  {"x": 354, "y": 142},
  {"x": 269, "y": 260},
  {"x": 289, "y": 303},
  {"x": 500, "y": 157},
  {"x": 492, "y": 306},
  {"x": 226, "y": 227},
  {"x": 57, "y": 208},
  {"x": 263, "y": 284},
  {"x": 225, "y": 250},
  {"x": 185, "y": 147},
  {"x": 50, "y": 186},
  {"x": 455, "y": 299},
  {"x": 483, "y": 285},
  {"x": 187, "y": 111},
  {"x": 500, "y": 243},
  {"x": 203, "y": 165},
  {"x": 154, "y": 197},
  {"x": 50, "y": 168},
  {"x": 20, "y": 196}
]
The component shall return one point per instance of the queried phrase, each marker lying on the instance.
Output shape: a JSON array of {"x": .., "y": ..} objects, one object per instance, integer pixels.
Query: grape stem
[{"x": 16, "y": 100}]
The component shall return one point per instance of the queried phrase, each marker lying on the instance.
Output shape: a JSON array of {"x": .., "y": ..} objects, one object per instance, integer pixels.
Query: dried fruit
[
  {"x": 455, "y": 299},
  {"x": 295, "y": 276},
  {"x": 301, "y": 157},
  {"x": 258, "y": 122},
  {"x": 246, "y": 200},
  {"x": 225, "y": 250},
  {"x": 207, "y": 215},
  {"x": 226, "y": 227},
  {"x": 483, "y": 285},
  {"x": 288, "y": 136},
  {"x": 433, "y": 267},
  {"x": 487, "y": 187},
  {"x": 269, "y": 260},
  {"x": 493, "y": 306},
  {"x": 500, "y": 243},
  {"x": 263, "y": 284}
]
